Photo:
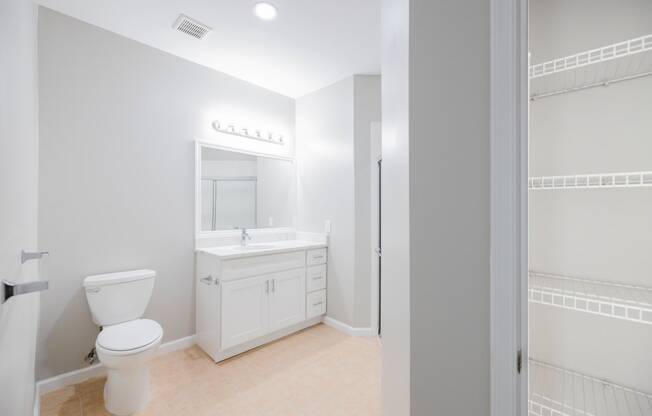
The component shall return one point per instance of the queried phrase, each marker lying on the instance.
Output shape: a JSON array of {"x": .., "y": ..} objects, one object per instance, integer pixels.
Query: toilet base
[{"x": 126, "y": 390}]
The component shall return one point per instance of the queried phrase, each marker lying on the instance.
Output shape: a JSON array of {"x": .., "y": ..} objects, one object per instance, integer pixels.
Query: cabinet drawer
[
  {"x": 316, "y": 278},
  {"x": 315, "y": 304},
  {"x": 317, "y": 256},
  {"x": 257, "y": 265}
]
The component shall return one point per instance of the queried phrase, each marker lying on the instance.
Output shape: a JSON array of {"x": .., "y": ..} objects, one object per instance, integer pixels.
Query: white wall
[
  {"x": 436, "y": 207},
  {"x": 325, "y": 191},
  {"x": 366, "y": 108},
  {"x": 18, "y": 201},
  {"x": 333, "y": 139},
  {"x": 118, "y": 124},
  {"x": 598, "y": 234}
]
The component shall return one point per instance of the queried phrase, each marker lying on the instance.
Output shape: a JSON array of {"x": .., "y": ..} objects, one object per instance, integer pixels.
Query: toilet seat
[{"x": 129, "y": 337}]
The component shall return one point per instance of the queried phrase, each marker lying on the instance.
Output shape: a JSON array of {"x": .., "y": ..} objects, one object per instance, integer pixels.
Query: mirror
[{"x": 240, "y": 190}]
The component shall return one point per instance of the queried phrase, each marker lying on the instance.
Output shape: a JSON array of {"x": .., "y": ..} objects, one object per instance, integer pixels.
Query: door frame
[
  {"x": 509, "y": 199},
  {"x": 375, "y": 155}
]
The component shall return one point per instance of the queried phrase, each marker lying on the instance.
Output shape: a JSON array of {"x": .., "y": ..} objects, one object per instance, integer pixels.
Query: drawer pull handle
[
  {"x": 318, "y": 303},
  {"x": 318, "y": 257},
  {"x": 318, "y": 278}
]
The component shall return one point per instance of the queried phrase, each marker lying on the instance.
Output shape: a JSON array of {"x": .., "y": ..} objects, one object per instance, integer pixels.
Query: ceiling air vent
[{"x": 191, "y": 27}]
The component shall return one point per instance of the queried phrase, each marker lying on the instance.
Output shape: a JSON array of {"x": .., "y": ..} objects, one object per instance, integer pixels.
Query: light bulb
[{"x": 265, "y": 11}]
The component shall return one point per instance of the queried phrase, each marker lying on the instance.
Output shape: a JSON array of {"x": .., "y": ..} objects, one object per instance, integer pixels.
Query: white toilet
[{"x": 126, "y": 342}]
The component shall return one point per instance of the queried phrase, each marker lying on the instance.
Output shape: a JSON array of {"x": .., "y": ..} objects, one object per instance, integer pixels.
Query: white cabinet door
[
  {"x": 245, "y": 310},
  {"x": 207, "y": 322},
  {"x": 287, "y": 298}
]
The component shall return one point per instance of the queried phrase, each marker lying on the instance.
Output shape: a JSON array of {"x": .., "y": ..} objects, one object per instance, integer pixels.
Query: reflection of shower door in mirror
[
  {"x": 228, "y": 203},
  {"x": 208, "y": 204},
  {"x": 235, "y": 203}
]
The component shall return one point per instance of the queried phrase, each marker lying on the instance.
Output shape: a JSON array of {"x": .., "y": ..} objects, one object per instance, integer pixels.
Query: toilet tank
[{"x": 119, "y": 297}]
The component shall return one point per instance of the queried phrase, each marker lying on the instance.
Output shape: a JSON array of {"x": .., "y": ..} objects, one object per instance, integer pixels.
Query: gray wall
[
  {"x": 118, "y": 121},
  {"x": 333, "y": 127},
  {"x": 561, "y": 27},
  {"x": 396, "y": 265},
  {"x": 449, "y": 207},
  {"x": 597, "y": 234},
  {"x": 18, "y": 202},
  {"x": 439, "y": 151}
]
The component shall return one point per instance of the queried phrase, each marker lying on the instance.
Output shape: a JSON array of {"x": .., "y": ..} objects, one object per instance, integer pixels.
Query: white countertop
[{"x": 258, "y": 249}]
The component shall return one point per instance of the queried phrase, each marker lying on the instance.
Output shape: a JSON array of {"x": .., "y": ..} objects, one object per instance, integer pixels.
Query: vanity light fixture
[
  {"x": 255, "y": 134},
  {"x": 265, "y": 11}
]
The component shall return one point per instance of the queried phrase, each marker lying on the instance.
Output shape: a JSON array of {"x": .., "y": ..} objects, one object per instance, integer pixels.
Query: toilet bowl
[
  {"x": 124, "y": 350},
  {"x": 126, "y": 343}
]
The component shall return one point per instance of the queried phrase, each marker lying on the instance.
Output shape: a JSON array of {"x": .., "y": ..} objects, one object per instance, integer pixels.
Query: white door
[
  {"x": 245, "y": 310},
  {"x": 287, "y": 298},
  {"x": 18, "y": 203}
]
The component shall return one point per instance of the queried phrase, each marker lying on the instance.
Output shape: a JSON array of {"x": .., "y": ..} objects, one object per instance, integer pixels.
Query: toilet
[{"x": 126, "y": 342}]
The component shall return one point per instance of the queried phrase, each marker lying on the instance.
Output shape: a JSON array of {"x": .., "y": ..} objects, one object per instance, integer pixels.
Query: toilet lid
[{"x": 129, "y": 335}]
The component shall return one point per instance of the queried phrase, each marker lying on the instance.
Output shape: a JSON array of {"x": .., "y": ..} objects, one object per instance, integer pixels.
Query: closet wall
[{"x": 602, "y": 233}]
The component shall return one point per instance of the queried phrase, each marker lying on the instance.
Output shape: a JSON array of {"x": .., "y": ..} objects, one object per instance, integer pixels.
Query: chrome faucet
[{"x": 244, "y": 237}]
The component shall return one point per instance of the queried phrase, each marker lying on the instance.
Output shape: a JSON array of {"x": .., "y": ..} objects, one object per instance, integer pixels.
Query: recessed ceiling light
[{"x": 265, "y": 11}]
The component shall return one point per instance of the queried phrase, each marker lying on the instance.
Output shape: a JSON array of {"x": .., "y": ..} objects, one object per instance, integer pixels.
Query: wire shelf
[
  {"x": 615, "y": 300},
  {"x": 555, "y": 391},
  {"x": 591, "y": 181},
  {"x": 610, "y": 64}
]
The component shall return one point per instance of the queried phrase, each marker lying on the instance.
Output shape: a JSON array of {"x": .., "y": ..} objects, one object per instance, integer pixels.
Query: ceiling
[{"x": 311, "y": 44}]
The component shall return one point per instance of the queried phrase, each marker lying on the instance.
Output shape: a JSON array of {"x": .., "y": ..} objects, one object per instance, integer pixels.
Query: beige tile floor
[{"x": 318, "y": 371}]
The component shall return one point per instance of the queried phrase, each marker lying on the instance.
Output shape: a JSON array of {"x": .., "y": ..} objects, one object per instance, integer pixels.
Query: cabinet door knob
[{"x": 208, "y": 280}]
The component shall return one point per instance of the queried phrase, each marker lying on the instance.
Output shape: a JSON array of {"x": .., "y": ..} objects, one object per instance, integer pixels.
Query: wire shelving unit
[
  {"x": 615, "y": 300},
  {"x": 592, "y": 181},
  {"x": 556, "y": 391},
  {"x": 618, "y": 62}
]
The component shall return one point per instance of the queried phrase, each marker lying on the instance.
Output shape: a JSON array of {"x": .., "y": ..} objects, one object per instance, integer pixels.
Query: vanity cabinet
[{"x": 244, "y": 301}]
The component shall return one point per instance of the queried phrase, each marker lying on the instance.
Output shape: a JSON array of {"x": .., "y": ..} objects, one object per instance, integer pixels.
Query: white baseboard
[
  {"x": 96, "y": 370},
  {"x": 67, "y": 379},
  {"x": 177, "y": 344},
  {"x": 349, "y": 330}
]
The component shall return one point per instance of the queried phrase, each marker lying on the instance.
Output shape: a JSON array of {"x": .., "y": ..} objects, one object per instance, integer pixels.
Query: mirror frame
[{"x": 199, "y": 145}]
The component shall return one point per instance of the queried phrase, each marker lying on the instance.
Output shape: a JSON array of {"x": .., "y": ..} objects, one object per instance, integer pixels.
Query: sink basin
[
  {"x": 254, "y": 247},
  {"x": 260, "y": 248}
]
